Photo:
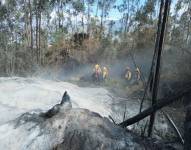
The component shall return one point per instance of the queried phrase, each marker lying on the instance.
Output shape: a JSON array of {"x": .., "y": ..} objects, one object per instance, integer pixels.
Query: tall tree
[{"x": 31, "y": 22}]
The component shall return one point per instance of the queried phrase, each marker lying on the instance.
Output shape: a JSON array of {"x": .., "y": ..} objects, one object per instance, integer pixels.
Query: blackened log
[{"x": 160, "y": 104}]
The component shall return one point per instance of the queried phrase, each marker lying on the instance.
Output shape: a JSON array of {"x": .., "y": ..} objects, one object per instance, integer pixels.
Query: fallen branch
[
  {"x": 160, "y": 104},
  {"x": 112, "y": 119},
  {"x": 124, "y": 115},
  {"x": 174, "y": 127}
]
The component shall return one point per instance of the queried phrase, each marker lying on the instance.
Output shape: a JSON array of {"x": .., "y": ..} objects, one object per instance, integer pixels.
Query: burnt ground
[{"x": 125, "y": 96}]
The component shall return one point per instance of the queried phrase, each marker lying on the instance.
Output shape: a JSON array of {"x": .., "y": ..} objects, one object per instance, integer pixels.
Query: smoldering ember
[{"x": 95, "y": 75}]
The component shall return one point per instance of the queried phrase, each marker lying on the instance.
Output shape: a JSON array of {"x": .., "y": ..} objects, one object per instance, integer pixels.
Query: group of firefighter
[
  {"x": 132, "y": 76},
  {"x": 102, "y": 74}
]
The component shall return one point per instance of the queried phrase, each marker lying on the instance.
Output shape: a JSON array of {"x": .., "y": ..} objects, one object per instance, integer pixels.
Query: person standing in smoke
[
  {"x": 105, "y": 73},
  {"x": 97, "y": 73},
  {"x": 138, "y": 74},
  {"x": 128, "y": 74}
]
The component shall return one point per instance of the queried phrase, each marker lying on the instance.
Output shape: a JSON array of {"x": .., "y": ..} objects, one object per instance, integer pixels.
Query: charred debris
[{"x": 151, "y": 87}]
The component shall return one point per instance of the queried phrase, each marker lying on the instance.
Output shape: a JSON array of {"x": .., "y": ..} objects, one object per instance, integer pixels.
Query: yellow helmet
[{"x": 96, "y": 66}]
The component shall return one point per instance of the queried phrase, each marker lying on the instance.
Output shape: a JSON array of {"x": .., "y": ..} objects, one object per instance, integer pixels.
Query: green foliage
[{"x": 78, "y": 5}]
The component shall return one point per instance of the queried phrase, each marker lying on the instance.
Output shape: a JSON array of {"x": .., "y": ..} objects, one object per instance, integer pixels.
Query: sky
[
  {"x": 114, "y": 13},
  {"x": 2, "y": 1}
]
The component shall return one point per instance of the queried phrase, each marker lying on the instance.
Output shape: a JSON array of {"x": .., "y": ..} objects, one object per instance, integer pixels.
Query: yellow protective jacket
[
  {"x": 128, "y": 75},
  {"x": 97, "y": 69},
  {"x": 105, "y": 73}
]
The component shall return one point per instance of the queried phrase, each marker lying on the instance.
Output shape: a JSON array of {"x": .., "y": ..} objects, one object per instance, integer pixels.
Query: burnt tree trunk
[
  {"x": 157, "y": 71},
  {"x": 39, "y": 37},
  {"x": 149, "y": 83}
]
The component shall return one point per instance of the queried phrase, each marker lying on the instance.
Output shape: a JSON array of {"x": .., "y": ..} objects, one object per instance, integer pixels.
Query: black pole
[
  {"x": 154, "y": 56},
  {"x": 157, "y": 71}
]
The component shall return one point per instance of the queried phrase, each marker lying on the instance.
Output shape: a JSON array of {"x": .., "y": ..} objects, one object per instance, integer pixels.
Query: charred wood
[
  {"x": 174, "y": 127},
  {"x": 160, "y": 104},
  {"x": 157, "y": 71}
]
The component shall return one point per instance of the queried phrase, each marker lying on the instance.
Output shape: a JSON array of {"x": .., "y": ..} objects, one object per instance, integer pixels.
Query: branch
[
  {"x": 162, "y": 103},
  {"x": 174, "y": 127},
  {"x": 112, "y": 119}
]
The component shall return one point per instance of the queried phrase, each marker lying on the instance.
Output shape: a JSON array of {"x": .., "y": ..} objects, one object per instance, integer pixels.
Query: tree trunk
[
  {"x": 157, "y": 71},
  {"x": 31, "y": 29},
  {"x": 97, "y": 7},
  {"x": 88, "y": 27},
  {"x": 39, "y": 37},
  {"x": 37, "y": 31},
  {"x": 154, "y": 57},
  {"x": 83, "y": 26},
  {"x": 59, "y": 19},
  {"x": 26, "y": 26},
  {"x": 62, "y": 9},
  {"x": 102, "y": 15},
  {"x": 82, "y": 19},
  {"x": 127, "y": 18}
]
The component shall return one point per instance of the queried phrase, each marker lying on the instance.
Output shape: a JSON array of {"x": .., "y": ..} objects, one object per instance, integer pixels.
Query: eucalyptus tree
[
  {"x": 8, "y": 33},
  {"x": 40, "y": 7},
  {"x": 105, "y": 6},
  {"x": 185, "y": 19},
  {"x": 89, "y": 10},
  {"x": 79, "y": 8},
  {"x": 110, "y": 28},
  {"x": 31, "y": 22},
  {"x": 181, "y": 20}
]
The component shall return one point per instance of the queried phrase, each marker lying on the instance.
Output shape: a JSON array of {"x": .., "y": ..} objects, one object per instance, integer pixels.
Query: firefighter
[
  {"x": 128, "y": 74},
  {"x": 97, "y": 72},
  {"x": 105, "y": 73},
  {"x": 138, "y": 74}
]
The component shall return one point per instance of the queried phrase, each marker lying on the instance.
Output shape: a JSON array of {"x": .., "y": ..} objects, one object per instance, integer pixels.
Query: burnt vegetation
[{"x": 64, "y": 38}]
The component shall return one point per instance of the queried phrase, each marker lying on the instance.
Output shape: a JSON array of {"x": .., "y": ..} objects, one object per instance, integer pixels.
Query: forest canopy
[{"x": 49, "y": 33}]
